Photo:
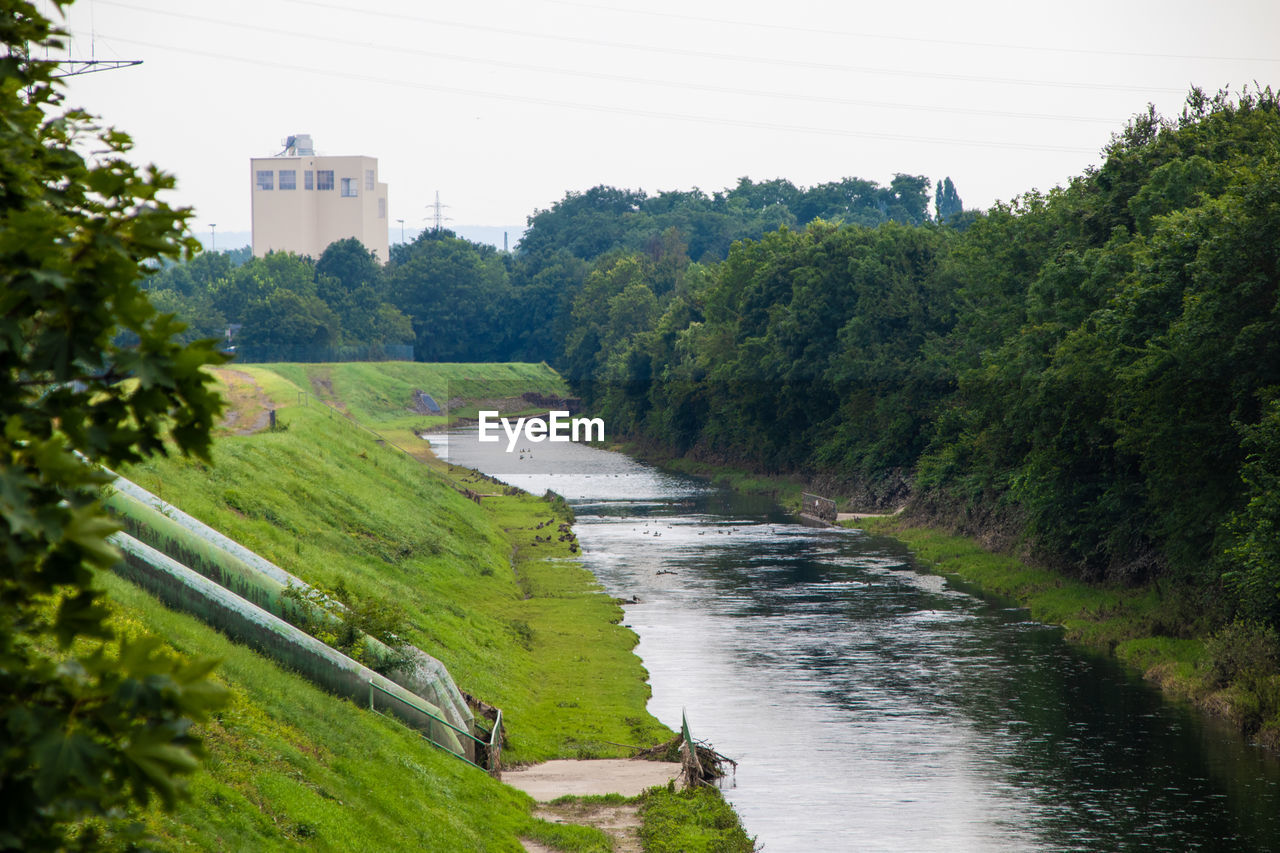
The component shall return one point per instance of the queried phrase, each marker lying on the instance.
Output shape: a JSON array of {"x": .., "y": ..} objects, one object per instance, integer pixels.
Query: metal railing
[
  {"x": 491, "y": 750},
  {"x": 818, "y": 507}
]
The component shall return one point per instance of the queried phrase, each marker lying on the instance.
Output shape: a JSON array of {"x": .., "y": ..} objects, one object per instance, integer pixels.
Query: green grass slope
[
  {"x": 381, "y": 393},
  {"x": 518, "y": 623},
  {"x": 291, "y": 766}
]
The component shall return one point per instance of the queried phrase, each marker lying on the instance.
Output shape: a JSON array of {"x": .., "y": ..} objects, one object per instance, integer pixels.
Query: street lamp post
[
  {"x": 213, "y": 237},
  {"x": 401, "y": 221}
]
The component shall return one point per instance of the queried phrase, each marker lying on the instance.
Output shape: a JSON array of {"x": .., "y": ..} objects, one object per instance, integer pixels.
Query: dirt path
[
  {"x": 847, "y": 516},
  {"x": 552, "y": 779},
  {"x": 622, "y": 821},
  {"x": 322, "y": 385},
  {"x": 247, "y": 404}
]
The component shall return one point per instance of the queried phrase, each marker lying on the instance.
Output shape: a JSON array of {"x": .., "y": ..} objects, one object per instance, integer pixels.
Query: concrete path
[
  {"x": 544, "y": 782},
  {"x": 853, "y": 516}
]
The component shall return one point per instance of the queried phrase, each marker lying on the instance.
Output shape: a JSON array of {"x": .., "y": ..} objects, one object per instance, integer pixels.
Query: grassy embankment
[
  {"x": 689, "y": 820},
  {"x": 517, "y": 624},
  {"x": 292, "y": 767},
  {"x": 1225, "y": 673},
  {"x": 380, "y": 394}
]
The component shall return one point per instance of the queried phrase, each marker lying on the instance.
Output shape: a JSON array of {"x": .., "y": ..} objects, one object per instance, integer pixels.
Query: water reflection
[{"x": 874, "y": 707}]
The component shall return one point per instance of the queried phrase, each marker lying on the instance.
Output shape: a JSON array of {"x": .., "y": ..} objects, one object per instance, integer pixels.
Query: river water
[{"x": 875, "y": 707}]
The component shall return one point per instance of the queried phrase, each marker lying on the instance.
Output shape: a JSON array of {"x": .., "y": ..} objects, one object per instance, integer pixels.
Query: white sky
[{"x": 503, "y": 106}]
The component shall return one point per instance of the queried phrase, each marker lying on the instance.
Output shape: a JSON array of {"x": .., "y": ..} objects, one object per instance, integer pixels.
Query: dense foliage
[
  {"x": 1095, "y": 370},
  {"x": 1092, "y": 371},
  {"x": 461, "y": 301},
  {"x": 90, "y": 727},
  {"x": 283, "y": 305}
]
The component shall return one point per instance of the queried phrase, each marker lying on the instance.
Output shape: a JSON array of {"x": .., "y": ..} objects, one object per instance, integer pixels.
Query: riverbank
[
  {"x": 1224, "y": 674},
  {"x": 785, "y": 490},
  {"x": 1232, "y": 673},
  {"x": 483, "y": 577}
]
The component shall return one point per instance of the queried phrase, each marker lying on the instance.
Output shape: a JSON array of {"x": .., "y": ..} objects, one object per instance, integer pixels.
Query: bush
[{"x": 1243, "y": 653}]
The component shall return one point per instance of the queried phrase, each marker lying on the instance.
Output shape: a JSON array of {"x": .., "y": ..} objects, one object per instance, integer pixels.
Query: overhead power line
[
  {"x": 68, "y": 67},
  {"x": 985, "y": 45},
  {"x": 731, "y": 57},
  {"x": 603, "y": 108},
  {"x": 620, "y": 78},
  {"x": 75, "y": 67}
]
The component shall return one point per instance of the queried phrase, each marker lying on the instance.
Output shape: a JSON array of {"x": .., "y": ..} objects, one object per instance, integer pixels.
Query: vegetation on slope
[
  {"x": 382, "y": 395},
  {"x": 1230, "y": 671},
  {"x": 290, "y": 766},
  {"x": 517, "y": 624},
  {"x": 479, "y": 585}
]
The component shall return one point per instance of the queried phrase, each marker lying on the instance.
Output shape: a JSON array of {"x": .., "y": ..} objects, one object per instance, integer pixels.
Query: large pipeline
[
  {"x": 227, "y": 563},
  {"x": 186, "y": 590}
]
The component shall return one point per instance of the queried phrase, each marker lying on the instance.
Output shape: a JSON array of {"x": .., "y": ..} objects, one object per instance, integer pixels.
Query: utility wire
[
  {"x": 601, "y": 108},
  {"x": 730, "y": 57},
  {"x": 619, "y": 78},
  {"x": 1035, "y": 48}
]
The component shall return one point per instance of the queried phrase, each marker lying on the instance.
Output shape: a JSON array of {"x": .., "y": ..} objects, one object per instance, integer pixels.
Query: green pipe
[
  {"x": 229, "y": 564},
  {"x": 187, "y": 590}
]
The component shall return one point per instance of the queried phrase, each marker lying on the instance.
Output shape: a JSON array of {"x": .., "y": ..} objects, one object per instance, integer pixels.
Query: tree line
[
  {"x": 1093, "y": 372},
  {"x": 456, "y": 300}
]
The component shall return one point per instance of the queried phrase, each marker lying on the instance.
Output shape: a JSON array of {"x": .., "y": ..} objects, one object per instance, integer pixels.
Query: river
[{"x": 873, "y": 706}]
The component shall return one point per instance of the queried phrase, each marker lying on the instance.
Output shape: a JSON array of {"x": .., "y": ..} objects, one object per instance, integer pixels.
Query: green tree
[
  {"x": 1253, "y": 555},
  {"x": 286, "y": 318},
  {"x": 946, "y": 201},
  {"x": 350, "y": 266},
  {"x": 456, "y": 293},
  {"x": 542, "y": 293},
  {"x": 351, "y": 281},
  {"x": 85, "y": 730}
]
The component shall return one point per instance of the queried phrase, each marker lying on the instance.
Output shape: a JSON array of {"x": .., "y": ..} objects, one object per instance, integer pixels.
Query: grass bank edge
[
  {"x": 785, "y": 489},
  {"x": 1233, "y": 674},
  {"x": 503, "y": 604},
  {"x": 291, "y": 766},
  {"x": 672, "y": 819},
  {"x": 1224, "y": 674}
]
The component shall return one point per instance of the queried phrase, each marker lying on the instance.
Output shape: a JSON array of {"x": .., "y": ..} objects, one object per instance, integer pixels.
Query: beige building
[{"x": 302, "y": 202}]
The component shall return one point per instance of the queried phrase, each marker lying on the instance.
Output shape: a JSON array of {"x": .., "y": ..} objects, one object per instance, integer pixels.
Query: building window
[
  {"x": 368, "y": 179},
  {"x": 266, "y": 179},
  {"x": 324, "y": 179},
  {"x": 382, "y": 208},
  {"x": 350, "y": 188},
  {"x": 308, "y": 179},
  {"x": 288, "y": 179}
]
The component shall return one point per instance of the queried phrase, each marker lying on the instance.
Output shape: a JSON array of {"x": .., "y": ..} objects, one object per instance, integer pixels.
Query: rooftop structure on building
[{"x": 302, "y": 202}]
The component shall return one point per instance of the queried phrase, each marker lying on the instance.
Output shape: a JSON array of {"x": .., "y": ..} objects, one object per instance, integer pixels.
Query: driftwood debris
[{"x": 700, "y": 763}]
